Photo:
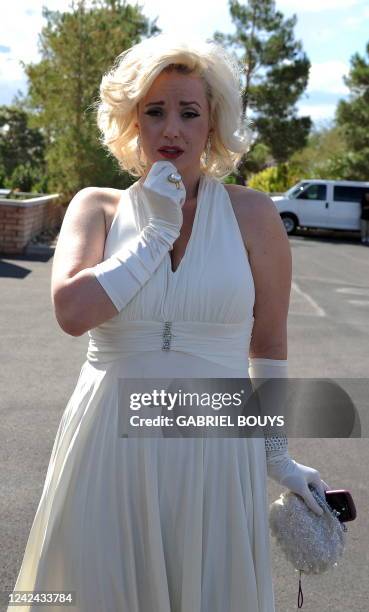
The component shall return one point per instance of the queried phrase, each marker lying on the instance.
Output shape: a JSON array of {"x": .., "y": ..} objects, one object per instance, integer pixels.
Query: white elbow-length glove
[
  {"x": 126, "y": 272},
  {"x": 280, "y": 466}
]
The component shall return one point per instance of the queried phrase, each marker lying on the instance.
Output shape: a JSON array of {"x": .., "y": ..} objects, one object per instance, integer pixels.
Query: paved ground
[{"x": 328, "y": 337}]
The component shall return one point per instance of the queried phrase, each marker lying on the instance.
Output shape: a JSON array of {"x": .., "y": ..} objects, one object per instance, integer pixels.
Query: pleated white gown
[{"x": 159, "y": 524}]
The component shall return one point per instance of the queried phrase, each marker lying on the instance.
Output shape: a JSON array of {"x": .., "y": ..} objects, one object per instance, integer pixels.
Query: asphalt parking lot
[{"x": 328, "y": 337}]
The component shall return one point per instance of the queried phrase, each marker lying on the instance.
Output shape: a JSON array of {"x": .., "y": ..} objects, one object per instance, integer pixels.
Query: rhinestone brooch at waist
[{"x": 167, "y": 335}]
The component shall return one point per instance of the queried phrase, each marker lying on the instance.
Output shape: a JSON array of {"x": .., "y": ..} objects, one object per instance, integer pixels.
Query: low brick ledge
[{"x": 21, "y": 220}]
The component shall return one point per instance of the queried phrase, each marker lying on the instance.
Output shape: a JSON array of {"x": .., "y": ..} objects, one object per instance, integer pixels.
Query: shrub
[{"x": 24, "y": 178}]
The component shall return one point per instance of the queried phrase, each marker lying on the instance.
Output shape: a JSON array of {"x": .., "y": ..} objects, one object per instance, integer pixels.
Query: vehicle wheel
[{"x": 290, "y": 223}]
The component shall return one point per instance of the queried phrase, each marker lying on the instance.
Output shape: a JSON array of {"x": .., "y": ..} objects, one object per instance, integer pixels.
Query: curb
[{"x": 39, "y": 249}]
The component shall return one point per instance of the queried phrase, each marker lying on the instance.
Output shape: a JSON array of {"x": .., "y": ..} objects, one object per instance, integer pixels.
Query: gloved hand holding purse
[
  {"x": 280, "y": 466},
  {"x": 296, "y": 477}
]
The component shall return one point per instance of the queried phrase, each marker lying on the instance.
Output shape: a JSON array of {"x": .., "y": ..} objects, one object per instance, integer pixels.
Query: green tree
[
  {"x": 20, "y": 144},
  {"x": 276, "y": 72},
  {"x": 77, "y": 48},
  {"x": 322, "y": 155},
  {"x": 352, "y": 117}
]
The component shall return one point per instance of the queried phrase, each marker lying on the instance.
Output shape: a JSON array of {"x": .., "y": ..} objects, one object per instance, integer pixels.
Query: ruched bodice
[{"x": 213, "y": 285}]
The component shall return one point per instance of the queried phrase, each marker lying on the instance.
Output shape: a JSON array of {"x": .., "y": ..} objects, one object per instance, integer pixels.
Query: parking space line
[
  {"x": 303, "y": 314},
  {"x": 353, "y": 290},
  {"x": 353, "y": 258},
  {"x": 359, "y": 302},
  {"x": 322, "y": 279},
  {"x": 318, "y": 311}
]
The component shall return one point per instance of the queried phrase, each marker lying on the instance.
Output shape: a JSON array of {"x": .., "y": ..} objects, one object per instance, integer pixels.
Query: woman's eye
[{"x": 151, "y": 112}]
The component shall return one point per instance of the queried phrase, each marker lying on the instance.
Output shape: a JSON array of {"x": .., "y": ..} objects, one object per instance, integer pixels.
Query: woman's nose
[{"x": 171, "y": 127}]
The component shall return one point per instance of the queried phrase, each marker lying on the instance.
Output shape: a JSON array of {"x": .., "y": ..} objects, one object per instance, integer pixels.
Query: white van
[{"x": 322, "y": 203}]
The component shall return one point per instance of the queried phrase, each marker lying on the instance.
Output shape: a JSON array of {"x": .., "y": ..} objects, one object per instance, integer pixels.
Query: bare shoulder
[
  {"x": 104, "y": 198},
  {"x": 257, "y": 216},
  {"x": 110, "y": 199},
  {"x": 83, "y": 232}
]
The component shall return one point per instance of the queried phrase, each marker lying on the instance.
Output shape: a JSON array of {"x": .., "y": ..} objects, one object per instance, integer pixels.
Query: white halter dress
[{"x": 159, "y": 524}]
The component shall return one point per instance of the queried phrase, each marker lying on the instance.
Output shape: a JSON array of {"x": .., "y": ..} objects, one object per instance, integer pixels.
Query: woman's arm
[
  {"x": 80, "y": 246},
  {"x": 87, "y": 291},
  {"x": 271, "y": 264}
]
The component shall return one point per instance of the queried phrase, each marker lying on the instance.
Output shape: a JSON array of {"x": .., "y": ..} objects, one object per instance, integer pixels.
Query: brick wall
[{"x": 21, "y": 221}]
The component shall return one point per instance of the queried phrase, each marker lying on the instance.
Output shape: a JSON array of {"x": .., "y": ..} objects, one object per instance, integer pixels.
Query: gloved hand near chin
[
  {"x": 123, "y": 274},
  {"x": 164, "y": 199},
  {"x": 296, "y": 477}
]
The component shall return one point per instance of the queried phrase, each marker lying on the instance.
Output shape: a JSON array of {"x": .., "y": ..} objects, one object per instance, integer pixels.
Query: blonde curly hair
[{"x": 131, "y": 77}]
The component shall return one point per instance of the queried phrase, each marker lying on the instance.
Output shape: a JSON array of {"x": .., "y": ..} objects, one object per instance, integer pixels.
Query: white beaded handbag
[{"x": 312, "y": 543}]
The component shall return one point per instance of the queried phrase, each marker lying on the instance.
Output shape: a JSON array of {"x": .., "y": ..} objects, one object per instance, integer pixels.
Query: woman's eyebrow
[{"x": 182, "y": 103}]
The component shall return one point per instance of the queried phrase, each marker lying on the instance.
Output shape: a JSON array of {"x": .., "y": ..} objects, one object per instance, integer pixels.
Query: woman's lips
[{"x": 170, "y": 154}]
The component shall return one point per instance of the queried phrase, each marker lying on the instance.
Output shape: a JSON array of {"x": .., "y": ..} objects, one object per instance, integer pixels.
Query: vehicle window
[
  {"x": 294, "y": 191},
  {"x": 343, "y": 193},
  {"x": 314, "y": 192}
]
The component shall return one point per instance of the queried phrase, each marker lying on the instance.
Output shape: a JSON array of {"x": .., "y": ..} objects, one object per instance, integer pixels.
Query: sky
[{"x": 331, "y": 31}]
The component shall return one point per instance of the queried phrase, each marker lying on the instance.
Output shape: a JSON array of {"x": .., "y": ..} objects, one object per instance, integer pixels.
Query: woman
[
  {"x": 178, "y": 276},
  {"x": 364, "y": 218}
]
